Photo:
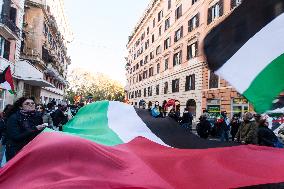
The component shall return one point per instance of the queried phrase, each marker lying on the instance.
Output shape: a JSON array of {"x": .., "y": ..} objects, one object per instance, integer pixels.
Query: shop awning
[{"x": 35, "y": 82}]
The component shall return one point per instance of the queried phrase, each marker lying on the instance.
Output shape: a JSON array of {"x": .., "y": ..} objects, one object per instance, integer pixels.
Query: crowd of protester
[
  {"x": 247, "y": 129},
  {"x": 24, "y": 120}
]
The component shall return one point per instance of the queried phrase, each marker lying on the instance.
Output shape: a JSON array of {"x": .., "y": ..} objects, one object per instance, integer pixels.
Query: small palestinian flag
[
  {"x": 114, "y": 145},
  {"x": 6, "y": 80},
  {"x": 247, "y": 49}
]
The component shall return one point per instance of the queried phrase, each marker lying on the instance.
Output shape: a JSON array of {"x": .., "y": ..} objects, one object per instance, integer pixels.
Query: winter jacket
[
  {"x": 203, "y": 128},
  {"x": 187, "y": 117},
  {"x": 248, "y": 132},
  {"x": 266, "y": 137},
  {"x": 21, "y": 129}
]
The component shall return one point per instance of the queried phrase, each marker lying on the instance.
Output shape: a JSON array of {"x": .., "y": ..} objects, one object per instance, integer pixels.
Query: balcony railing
[{"x": 11, "y": 25}]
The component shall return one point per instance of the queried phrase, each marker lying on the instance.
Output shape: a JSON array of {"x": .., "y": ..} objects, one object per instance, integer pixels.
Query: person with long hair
[{"x": 24, "y": 124}]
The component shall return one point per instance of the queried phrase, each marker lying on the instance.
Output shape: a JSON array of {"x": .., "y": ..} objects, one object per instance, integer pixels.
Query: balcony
[{"x": 8, "y": 29}]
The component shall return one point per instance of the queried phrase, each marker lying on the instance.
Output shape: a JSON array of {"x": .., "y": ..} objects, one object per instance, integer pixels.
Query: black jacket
[
  {"x": 266, "y": 137},
  {"x": 203, "y": 128},
  {"x": 21, "y": 129},
  {"x": 58, "y": 118},
  {"x": 187, "y": 117}
]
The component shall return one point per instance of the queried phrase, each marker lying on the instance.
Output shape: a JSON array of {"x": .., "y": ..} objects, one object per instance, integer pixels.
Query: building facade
[
  {"x": 46, "y": 33},
  {"x": 165, "y": 59},
  {"x": 11, "y": 20}
]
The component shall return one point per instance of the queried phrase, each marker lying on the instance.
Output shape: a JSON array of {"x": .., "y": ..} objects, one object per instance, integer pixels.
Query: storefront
[
  {"x": 239, "y": 106},
  {"x": 213, "y": 107}
]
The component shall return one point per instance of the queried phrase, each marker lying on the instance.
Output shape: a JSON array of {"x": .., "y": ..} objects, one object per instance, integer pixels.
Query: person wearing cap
[
  {"x": 247, "y": 133},
  {"x": 203, "y": 127}
]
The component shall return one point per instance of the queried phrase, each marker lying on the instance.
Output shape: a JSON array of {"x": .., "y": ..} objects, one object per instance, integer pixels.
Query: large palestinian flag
[
  {"x": 247, "y": 49},
  {"x": 113, "y": 145}
]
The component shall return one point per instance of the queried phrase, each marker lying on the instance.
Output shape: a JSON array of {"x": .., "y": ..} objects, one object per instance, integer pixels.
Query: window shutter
[
  {"x": 193, "y": 82},
  {"x": 180, "y": 56},
  {"x": 173, "y": 86},
  {"x": 6, "y": 50},
  {"x": 197, "y": 19},
  {"x": 196, "y": 48},
  {"x": 187, "y": 83},
  {"x": 188, "y": 52},
  {"x": 209, "y": 18},
  {"x": 181, "y": 31},
  {"x": 221, "y": 4}
]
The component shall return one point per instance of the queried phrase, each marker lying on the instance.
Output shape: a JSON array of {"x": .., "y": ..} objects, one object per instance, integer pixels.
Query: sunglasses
[{"x": 29, "y": 103}]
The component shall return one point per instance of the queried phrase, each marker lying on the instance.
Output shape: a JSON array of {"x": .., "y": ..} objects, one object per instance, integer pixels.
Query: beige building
[
  {"x": 11, "y": 21},
  {"x": 44, "y": 50},
  {"x": 166, "y": 61}
]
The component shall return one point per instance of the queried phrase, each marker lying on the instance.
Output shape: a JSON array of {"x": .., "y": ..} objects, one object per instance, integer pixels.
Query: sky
[{"x": 101, "y": 29}]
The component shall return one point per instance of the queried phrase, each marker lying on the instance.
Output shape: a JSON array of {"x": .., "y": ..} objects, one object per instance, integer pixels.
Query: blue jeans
[{"x": 224, "y": 136}]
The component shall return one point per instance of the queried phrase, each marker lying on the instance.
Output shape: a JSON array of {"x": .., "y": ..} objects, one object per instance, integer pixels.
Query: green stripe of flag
[
  {"x": 269, "y": 82},
  {"x": 92, "y": 123}
]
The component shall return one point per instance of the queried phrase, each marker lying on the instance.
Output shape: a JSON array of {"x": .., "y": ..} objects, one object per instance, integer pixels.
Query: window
[
  {"x": 141, "y": 62},
  {"x": 154, "y": 23},
  {"x": 166, "y": 88},
  {"x": 158, "y": 68},
  {"x": 169, "y": 4},
  {"x": 146, "y": 59},
  {"x": 192, "y": 50},
  {"x": 157, "y": 89},
  {"x": 151, "y": 72},
  {"x": 235, "y": 3},
  {"x": 175, "y": 85},
  {"x": 145, "y": 74},
  {"x": 193, "y": 1},
  {"x": 145, "y": 92},
  {"x": 178, "y": 34},
  {"x": 178, "y": 12},
  {"x": 193, "y": 23},
  {"x": 167, "y": 23},
  {"x": 153, "y": 38},
  {"x": 213, "y": 80},
  {"x": 167, "y": 43},
  {"x": 150, "y": 91},
  {"x": 140, "y": 77},
  {"x": 166, "y": 63},
  {"x": 160, "y": 15},
  {"x": 160, "y": 30},
  {"x": 13, "y": 14},
  {"x": 158, "y": 50},
  {"x": 147, "y": 44},
  {"x": 190, "y": 82},
  {"x": 177, "y": 58},
  {"x": 148, "y": 30},
  {"x": 152, "y": 55},
  {"x": 142, "y": 36},
  {"x": 4, "y": 48},
  {"x": 215, "y": 11}
]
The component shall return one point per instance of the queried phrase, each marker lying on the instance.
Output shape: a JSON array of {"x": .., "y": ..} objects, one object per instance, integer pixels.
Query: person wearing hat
[{"x": 247, "y": 133}]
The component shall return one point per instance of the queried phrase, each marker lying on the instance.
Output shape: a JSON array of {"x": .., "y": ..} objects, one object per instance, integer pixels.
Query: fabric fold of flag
[
  {"x": 114, "y": 145},
  {"x": 55, "y": 160},
  {"x": 247, "y": 50},
  {"x": 6, "y": 80}
]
